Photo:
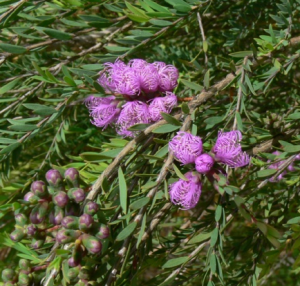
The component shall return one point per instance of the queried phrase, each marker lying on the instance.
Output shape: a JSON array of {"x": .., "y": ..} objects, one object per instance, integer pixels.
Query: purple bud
[
  {"x": 39, "y": 212},
  {"x": 162, "y": 104},
  {"x": 61, "y": 199},
  {"x": 31, "y": 230},
  {"x": 17, "y": 235},
  {"x": 85, "y": 222},
  {"x": 92, "y": 244},
  {"x": 133, "y": 112},
  {"x": 21, "y": 219},
  {"x": 8, "y": 275},
  {"x": 228, "y": 150},
  {"x": 186, "y": 193},
  {"x": 56, "y": 215},
  {"x": 103, "y": 232},
  {"x": 24, "y": 264},
  {"x": 77, "y": 194},
  {"x": 30, "y": 197},
  {"x": 67, "y": 235},
  {"x": 24, "y": 279},
  {"x": 54, "y": 178},
  {"x": 73, "y": 272},
  {"x": 37, "y": 243},
  {"x": 72, "y": 177},
  {"x": 91, "y": 208},
  {"x": 204, "y": 163},
  {"x": 70, "y": 222},
  {"x": 186, "y": 147},
  {"x": 39, "y": 188},
  {"x": 73, "y": 263}
]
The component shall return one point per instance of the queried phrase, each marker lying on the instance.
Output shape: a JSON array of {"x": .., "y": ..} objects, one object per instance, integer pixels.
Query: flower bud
[
  {"x": 56, "y": 215},
  {"x": 204, "y": 163},
  {"x": 24, "y": 264},
  {"x": 61, "y": 199},
  {"x": 84, "y": 273},
  {"x": 17, "y": 235},
  {"x": 8, "y": 275},
  {"x": 76, "y": 194},
  {"x": 72, "y": 177},
  {"x": 91, "y": 243},
  {"x": 54, "y": 178},
  {"x": 91, "y": 208},
  {"x": 72, "y": 209},
  {"x": 85, "y": 222},
  {"x": 37, "y": 243},
  {"x": 9, "y": 284},
  {"x": 103, "y": 232},
  {"x": 39, "y": 189},
  {"x": 73, "y": 263},
  {"x": 39, "y": 212},
  {"x": 31, "y": 197},
  {"x": 24, "y": 279},
  {"x": 80, "y": 283},
  {"x": 73, "y": 273},
  {"x": 70, "y": 222},
  {"x": 67, "y": 235},
  {"x": 21, "y": 219},
  {"x": 31, "y": 230}
]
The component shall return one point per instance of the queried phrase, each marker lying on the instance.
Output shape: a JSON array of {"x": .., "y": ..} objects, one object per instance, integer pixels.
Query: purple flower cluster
[
  {"x": 276, "y": 166},
  {"x": 147, "y": 88},
  {"x": 187, "y": 149}
]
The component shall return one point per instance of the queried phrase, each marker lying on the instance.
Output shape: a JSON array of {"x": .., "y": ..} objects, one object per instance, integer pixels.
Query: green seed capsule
[{"x": 8, "y": 275}]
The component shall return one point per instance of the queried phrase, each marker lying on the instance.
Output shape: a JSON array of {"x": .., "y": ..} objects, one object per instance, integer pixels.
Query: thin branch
[{"x": 203, "y": 38}]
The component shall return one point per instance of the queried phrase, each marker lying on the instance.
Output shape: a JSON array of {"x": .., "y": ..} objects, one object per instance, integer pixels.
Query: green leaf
[
  {"x": 265, "y": 173},
  {"x": 123, "y": 190},
  {"x": 218, "y": 213},
  {"x": 213, "y": 263},
  {"x": 214, "y": 237},
  {"x": 9, "y": 86},
  {"x": 142, "y": 230},
  {"x": 185, "y": 108},
  {"x": 192, "y": 85},
  {"x": 57, "y": 34},
  {"x": 23, "y": 127},
  {"x": 294, "y": 116},
  {"x": 179, "y": 174},
  {"x": 249, "y": 84},
  {"x": 200, "y": 238},
  {"x": 12, "y": 48},
  {"x": 10, "y": 148},
  {"x": 295, "y": 220},
  {"x": 138, "y": 127},
  {"x": 175, "y": 262},
  {"x": 241, "y": 54},
  {"x": 205, "y": 46},
  {"x": 117, "y": 49},
  {"x": 161, "y": 23},
  {"x": 166, "y": 128},
  {"x": 157, "y": 7},
  {"x": 128, "y": 230},
  {"x": 206, "y": 79},
  {"x": 292, "y": 148},
  {"x": 45, "y": 111},
  {"x": 170, "y": 119},
  {"x": 139, "y": 203}
]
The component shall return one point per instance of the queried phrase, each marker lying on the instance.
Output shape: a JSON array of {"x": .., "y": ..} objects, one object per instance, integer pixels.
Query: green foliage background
[{"x": 242, "y": 72}]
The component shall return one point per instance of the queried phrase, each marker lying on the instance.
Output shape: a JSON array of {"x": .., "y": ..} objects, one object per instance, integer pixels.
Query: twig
[
  {"x": 203, "y": 37},
  {"x": 239, "y": 95}
]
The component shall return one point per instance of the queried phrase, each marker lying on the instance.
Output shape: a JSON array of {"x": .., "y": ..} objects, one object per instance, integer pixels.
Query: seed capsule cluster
[{"x": 52, "y": 213}]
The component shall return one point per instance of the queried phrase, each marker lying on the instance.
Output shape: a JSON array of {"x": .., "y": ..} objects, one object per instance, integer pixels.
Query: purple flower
[
  {"x": 276, "y": 166},
  {"x": 133, "y": 112},
  {"x": 186, "y": 193},
  {"x": 228, "y": 150},
  {"x": 204, "y": 163},
  {"x": 137, "y": 64},
  {"x": 103, "y": 110},
  {"x": 148, "y": 78},
  {"x": 168, "y": 76},
  {"x": 127, "y": 81},
  {"x": 186, "y": 147},
  {"x": 106, "y": 80},
  {"x": 162, "y": 104}
]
